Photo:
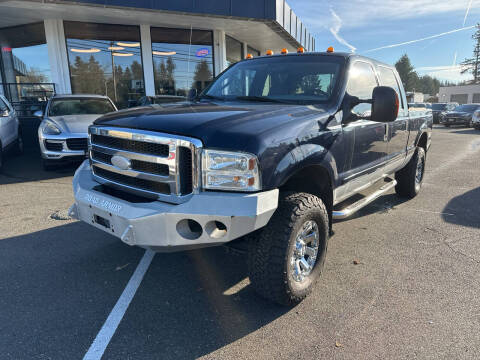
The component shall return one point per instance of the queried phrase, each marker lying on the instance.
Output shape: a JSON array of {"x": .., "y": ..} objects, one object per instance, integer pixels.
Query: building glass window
[
  {"x": 24, "y": 59},
  {"x": 234, "y": 49},
  {"x": 182, "y": 60},
  {"x": 252, "y": 51},
  {"x": 105, "y": 59}
]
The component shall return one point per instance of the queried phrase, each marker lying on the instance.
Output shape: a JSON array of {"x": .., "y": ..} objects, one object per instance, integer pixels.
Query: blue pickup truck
[{"x": 273, "y": 151}]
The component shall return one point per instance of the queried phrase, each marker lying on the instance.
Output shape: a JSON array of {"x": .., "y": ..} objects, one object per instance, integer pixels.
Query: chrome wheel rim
[
  {"x": 305, "y": 251},
  {"x": 419, "y": 171}
]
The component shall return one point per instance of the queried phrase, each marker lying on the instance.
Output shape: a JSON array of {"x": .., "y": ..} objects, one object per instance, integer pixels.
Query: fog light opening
[
  {"x": 216, "y": 229},
  {"x": 189, "y": 229}
]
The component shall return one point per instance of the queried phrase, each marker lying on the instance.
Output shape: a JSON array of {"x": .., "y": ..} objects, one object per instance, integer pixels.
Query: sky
[{"x": 387, "y": 29}]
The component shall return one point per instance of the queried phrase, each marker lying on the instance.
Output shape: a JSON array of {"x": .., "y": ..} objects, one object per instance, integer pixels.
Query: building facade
[
  {"x": 127, "y": 49},
  {"x": 462, "y": 94}
]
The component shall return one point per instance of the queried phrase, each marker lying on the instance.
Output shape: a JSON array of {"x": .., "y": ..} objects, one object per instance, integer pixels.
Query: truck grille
[
  {"x": 77, "y": 144},
  {"x": 146, "y": 163}
]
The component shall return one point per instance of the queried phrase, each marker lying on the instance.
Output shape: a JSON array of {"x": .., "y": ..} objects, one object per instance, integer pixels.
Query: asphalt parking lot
[{"x": 401, "y": 279}]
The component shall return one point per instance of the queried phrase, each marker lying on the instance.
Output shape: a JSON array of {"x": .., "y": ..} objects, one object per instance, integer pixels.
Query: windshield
[
  {"x": 466, "y": 108},
  {"x": 439, "y": 106},
  {"x": 80, "y": 106},
  {"x": 289, "y": 79}
]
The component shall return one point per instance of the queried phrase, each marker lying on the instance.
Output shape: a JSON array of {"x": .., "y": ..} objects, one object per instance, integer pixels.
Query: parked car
[
  {"x": 275, "y": 148},
  {"x": 461, "y": 115},
  {"x": 158, "y": 99},
  {"x": 476, "y": 120},
  {"x": 439, "y": 108},
  {"x": 63, "y": 132},
  {"x": 10, "y": 137}
]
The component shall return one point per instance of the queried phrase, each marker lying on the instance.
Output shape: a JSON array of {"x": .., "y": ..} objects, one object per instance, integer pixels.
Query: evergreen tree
[
  {"x": 407, "y": 74},
  {"x": 472, "y": 65},
  {"x": 203, "y": 76}
]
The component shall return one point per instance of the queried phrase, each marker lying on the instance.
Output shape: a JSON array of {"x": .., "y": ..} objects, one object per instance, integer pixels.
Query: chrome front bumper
[
  {"x": 61, "y": 139},
  {"x": 217, "y": 217}
]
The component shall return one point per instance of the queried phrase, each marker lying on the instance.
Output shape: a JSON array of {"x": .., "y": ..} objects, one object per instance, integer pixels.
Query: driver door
[{"x": 368, "y": 139}]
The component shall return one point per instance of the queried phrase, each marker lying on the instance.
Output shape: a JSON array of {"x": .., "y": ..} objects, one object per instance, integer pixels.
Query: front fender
[{"x": 302, "y": 157}]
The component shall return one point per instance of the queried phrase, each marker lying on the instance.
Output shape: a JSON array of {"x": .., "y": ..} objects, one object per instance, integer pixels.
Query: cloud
[
  {"x": 357, "y": 13},
  {"x": 335, "y": 28},
  {"x": 466, "y": 12},
  {"x": 422, "y": 39},
  {"x": 444, "y": 72}
]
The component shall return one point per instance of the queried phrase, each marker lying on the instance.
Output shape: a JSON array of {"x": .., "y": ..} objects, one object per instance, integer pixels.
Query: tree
[
  {"x": 407, "y": 74},
  {"x": 203, "y": 75},
  {"x": 472, "y": 65}
]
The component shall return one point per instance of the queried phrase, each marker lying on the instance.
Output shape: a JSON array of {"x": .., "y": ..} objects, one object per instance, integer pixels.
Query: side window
[
  {"x": 387, "y": 78},
  {"x": 361, "y": 83}
]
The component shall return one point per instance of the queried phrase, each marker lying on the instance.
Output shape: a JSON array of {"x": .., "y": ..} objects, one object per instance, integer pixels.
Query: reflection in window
[
  {"x": 234, "y": 49},
  {"x": 252, "y": 51},
  {"x": 24, "y": 59},
  {"x": 106, "y": 60},
  {"x": 182, "y": 60}
]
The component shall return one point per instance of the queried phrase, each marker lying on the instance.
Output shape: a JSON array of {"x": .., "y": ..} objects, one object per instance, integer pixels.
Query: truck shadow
[
  {"x": 188, "y": 305},
  {"x": 467, "y": 131},
  {"x": 458, "y": 209}
]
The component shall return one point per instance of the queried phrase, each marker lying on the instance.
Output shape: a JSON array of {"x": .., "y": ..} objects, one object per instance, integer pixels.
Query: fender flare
[{"x": 301, "y": 157}]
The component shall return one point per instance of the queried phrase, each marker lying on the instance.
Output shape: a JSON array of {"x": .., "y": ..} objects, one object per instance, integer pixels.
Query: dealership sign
[{"x": 202, "y": 52}]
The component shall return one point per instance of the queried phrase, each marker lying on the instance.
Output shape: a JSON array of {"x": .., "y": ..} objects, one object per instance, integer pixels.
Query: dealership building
[
  {"x": 127, "y": 49},
  {"x": 462, "y": 94}
]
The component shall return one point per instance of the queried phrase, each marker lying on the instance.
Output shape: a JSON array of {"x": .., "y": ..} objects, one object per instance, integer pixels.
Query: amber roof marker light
[
  {"x": 249, "y": 56},
  {"x": 330, "y": 49},
  {"x": 300, "y": 50},
  {"x": 269, "y": 53},
  {"x": 284, "y": 51}
]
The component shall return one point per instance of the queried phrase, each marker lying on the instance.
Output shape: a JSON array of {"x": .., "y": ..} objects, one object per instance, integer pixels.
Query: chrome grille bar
[{"x": 150, "y": 176}]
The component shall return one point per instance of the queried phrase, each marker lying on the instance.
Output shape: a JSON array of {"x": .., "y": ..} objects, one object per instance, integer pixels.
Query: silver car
[
  {"x": 9, "y": 129},
  {"x": 63, "y": 132}
]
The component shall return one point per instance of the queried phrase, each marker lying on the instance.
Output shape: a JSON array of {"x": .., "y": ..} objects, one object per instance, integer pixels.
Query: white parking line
[{"x": 96, "y": 350}]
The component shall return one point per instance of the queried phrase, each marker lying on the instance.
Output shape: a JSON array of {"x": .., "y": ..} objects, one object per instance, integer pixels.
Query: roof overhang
[{"x": 272, "y": 18}]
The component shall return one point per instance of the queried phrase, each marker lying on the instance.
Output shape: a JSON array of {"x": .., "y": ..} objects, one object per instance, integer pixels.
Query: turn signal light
[
  {"x": 269, "y": 52},
  {"x": 300, "y": 50},
  {"x": 284, "y": 51},
  {"x": 330, "y": 49},
  {"x": 249, "y": 56}
]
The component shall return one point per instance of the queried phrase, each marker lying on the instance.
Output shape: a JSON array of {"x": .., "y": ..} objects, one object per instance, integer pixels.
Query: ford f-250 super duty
[{"x": 275, "y": 149}]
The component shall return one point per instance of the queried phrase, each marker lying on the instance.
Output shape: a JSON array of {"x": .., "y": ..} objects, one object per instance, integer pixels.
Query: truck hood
[
  {"x": 232, "y": 125},
  {"x": 74, "y": 123}
]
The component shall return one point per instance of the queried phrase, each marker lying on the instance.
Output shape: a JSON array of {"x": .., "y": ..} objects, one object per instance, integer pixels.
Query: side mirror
[
  {"x": 192, "y": 95},
  {"x": 4, "y": 113},
  {"x": 385, "y": 104},
  {"x": 38, "y": 114}
]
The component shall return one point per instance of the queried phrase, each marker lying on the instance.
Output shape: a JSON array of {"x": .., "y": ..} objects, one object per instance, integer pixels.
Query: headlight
[
  {"x": 223, "y": 170},
  {"x": 49, "y": 128}
]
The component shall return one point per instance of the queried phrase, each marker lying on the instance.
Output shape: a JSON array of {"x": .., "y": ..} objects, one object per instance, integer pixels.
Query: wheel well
[
  {"x": 423, "y": 141},
  {"x": 313, "y": 180}
]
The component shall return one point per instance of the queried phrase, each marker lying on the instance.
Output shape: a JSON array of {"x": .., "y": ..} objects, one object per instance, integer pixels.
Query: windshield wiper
[
  {"x": 206, "y": 96},
  {"x": 258, "y": 98}
]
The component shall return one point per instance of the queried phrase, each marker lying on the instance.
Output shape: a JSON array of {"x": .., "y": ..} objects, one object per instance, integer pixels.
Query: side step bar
[{"x": 353, "y": 208}]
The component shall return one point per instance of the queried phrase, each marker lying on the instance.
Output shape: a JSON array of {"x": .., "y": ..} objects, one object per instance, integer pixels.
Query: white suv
[{"x": 9, "y": 129}]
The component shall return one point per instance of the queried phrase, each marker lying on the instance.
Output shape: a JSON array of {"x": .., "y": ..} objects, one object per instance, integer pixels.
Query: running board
[{"x": 353, "y": 208}]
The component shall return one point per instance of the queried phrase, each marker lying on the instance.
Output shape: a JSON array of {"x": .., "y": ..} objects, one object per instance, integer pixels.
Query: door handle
[{"x": 385, "y": 135}]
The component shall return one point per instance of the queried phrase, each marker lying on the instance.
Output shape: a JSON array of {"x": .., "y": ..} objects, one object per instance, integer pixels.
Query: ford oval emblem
[{"x": 121, "y": 162}]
